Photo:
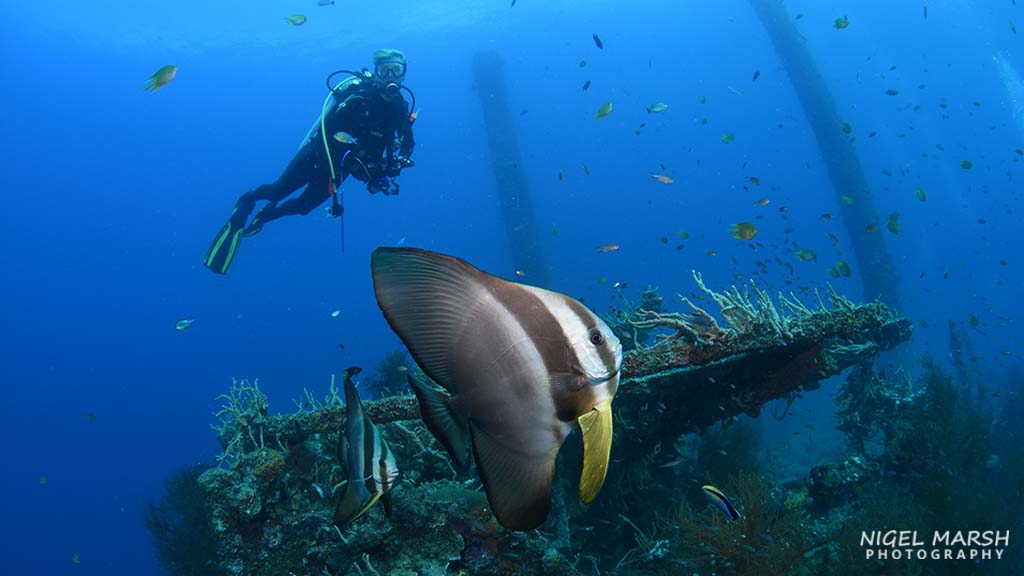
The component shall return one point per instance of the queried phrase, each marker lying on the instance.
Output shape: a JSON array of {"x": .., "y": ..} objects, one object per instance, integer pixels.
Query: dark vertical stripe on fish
[
  {"x": 549, "y": 338},
  {"x": 607, "y": 356}
]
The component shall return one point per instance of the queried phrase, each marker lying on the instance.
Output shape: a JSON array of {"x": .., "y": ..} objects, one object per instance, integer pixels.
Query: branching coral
[
  {"x": 747, "y": 313},
  {"x": 744, "y": 315},
  {"x": 624, "y": 322},
  {"x": 242, "y": 418}
]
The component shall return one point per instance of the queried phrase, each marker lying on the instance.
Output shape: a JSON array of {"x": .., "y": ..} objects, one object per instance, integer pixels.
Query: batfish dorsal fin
[
  {"x": 424, "y": 296},
  {"x": 518, "y": 485},
  {"x": 443, "y": 422}
]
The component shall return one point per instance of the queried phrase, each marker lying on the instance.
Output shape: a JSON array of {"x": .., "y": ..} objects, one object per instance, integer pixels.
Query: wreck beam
[{"x": 698, "y": 376}]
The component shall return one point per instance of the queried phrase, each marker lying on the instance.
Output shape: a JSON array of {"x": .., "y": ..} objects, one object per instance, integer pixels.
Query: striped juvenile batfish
[
  {"x": 722, "y": 502},
  {"x": 369, "y": 464},
  {"x": 521, "y": 365}
]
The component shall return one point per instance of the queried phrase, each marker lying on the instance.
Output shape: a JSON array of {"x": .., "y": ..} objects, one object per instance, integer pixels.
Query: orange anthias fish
[
  {"x": 161, "y": 78},
  {"x": 663, "y": 178},
  {"x": 605, "y": 248}
]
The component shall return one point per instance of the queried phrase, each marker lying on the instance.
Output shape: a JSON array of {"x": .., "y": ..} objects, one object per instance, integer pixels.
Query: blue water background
[{"x": 113, "y": 195}]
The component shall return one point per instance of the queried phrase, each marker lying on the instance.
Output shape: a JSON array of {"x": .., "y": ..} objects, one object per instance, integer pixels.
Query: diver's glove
[
  {"x": 383, "y": 184},
  {"x": 395, "y": 164}
]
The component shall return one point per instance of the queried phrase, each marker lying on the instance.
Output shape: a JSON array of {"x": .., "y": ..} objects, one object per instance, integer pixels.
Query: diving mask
[{"x": 390, "y": 70}]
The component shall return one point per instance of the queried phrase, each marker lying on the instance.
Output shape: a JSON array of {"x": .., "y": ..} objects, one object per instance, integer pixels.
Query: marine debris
[{"x": 272, "y": 497}]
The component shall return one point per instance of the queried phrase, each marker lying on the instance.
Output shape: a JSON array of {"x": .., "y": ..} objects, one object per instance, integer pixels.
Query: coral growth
[
  {"x": 767, "y": 540},
  {"x": 869, "y": 404},
  {"x": 270, "y": 502},
  {"x": 625, "y": 323},
  {"x": 938, "y": 469},
  {"x": 243, "y": 418},
  {"x": 389, "y": 378},
  {"x": 185, "y": 543}
]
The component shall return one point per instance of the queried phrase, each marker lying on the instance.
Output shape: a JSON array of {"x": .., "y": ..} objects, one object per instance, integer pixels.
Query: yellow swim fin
[{"x": 225, "y": 245}]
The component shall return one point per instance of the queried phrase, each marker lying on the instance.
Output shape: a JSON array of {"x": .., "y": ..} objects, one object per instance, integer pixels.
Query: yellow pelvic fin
[{"x": 597, "y": 446}]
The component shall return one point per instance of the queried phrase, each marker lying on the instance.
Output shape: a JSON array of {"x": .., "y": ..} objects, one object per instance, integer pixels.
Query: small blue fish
[{"x": 723, "y": 503}]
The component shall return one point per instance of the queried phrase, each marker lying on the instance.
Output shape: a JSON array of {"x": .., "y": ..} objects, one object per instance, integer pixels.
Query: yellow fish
[
  {"x": 161, "y": 78},
  {"x": 806, "y": 254},
  {"x": 346, "y": 138},
  {"x": 296, "y": 19},
  {"x": 657, "y": 107},
  {"x": 605, "y": 248},
  {"x": 603, "y": 111},
  {"x": 663, "y": 178},
  {"x": 743, "y": 231}
]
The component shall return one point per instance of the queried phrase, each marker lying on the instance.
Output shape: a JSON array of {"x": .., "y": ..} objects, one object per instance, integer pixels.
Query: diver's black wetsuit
[{"x": 364, "y": 113}]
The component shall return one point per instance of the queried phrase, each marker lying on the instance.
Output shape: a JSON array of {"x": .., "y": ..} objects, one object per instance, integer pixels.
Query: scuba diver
[{"x": 364, "y": 130}]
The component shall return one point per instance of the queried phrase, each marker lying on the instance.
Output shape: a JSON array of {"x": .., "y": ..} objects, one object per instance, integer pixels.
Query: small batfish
[
  {"x": 723, "y": 503},
  {"x": 520, "y": 367},
  {"x": 369, "y": 464}
]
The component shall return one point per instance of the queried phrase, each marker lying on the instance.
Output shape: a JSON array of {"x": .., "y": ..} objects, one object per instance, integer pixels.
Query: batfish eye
[{"x": 596, "y": 338}]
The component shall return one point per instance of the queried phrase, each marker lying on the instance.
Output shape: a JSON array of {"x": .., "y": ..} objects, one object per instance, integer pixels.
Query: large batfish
[{"x": 521, "y": 367}]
